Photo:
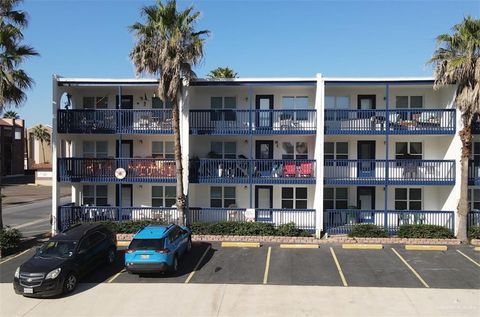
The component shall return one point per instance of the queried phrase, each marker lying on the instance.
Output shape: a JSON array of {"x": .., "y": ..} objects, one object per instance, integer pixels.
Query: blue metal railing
[
  {"x": 153, "y": 121},
  {"x": 303, "y": 218},
  {"x": 473, "y": 218},
  {"x": 253, "y": 171},
  {"x": 70, "y": 214},
  {"x": 103, "y": 169},
  {"x": 341, "y": 221},
  {"x": 232, "y": 121},
  {"x": 401, "y": 121},
  {"x": 433, "y": 172}
]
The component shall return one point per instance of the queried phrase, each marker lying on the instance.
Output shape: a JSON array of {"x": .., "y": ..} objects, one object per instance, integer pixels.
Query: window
[
  {"x": 405, "y": 102},
  {"x": 335, "y": 198},
  {"x": 299, "y": 152},
  {"x": 97, "y": 149},
  {"x": 163, "y": 196},
  {"x": 223, "y": 102},
  {"x": 474, "y": 198},
  {"x": 225, "y": 150},
  {"x": 408, "y": 150},
  {"x": 337, "y": 102},
  {"x": 294, "y": 197},
  {"x": 95, "y": 102},
  {"x": 161, "y": 149},
  {"x": 157, "y": 103},
  {"x": 335, "y": 150},
  {"x": 408, "y": 199},
  {"x": 222, "y": 197},
  {"x": 95, "y": 195},
  {"x": 295, "y": 103},
  {"x": 476, "y": 153},
  {"x": 96, "y": 238}
]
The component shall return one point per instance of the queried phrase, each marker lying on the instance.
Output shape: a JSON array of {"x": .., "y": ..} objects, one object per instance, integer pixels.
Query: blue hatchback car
[{"x": 157, "y": 248}]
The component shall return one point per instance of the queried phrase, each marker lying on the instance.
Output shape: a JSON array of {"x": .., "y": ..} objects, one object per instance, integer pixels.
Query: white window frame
[
  {"x": 223, "y": 198},
  {"x": 295, "y": 154},
  {"x": 223, "y": 153},
  {"x": 163, "y": 154},
  {"x": 335, "y": 151},
  {"x": 335, "y": 103},
  {"x": 95, "y": 196},
  {"x": 96, "y": 101},
  {"x": 408, "y": 200},
  {"x": 335, "y": 199},
  {"x": 409, "y": 106},
  {"x": 163, "y": 105},
  {"x": 164, "y": 196},
  {"x": 223, "y": 102},
  {"x": 408, "y": 148},
  {"x": 95, "y": 153},
  {"x": 294, "y": 199}
]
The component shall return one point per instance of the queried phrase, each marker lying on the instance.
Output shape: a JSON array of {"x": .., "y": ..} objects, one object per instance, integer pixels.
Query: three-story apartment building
[{"x": 324, "y": 153}]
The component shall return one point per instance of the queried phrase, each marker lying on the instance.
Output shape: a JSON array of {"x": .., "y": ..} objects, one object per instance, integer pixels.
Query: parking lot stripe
[
  {"x": 361, "y": 246},
  {"x": 197, "y": 265},
  {"x": 344, "y": 281},
  {"x": 115, "y": 276},
  {"x": 469, "y": 258},
  {"x": 123, "y": 243},
  {"x": 267, "y": 266},
  {"x": 413, "y": 247},
  {"x": 15, "y": 256},
  {"x": 411, "y": 268},
  {"x": 240, "y": 245},
  {"x": 298, "y": 246}
]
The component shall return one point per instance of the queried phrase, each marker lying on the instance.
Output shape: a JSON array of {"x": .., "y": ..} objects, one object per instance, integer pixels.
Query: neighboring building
[
  {"x": 39, "y": 156},
  {"x": 325, "y": 153},
  {"x": 12, "y": 147}
]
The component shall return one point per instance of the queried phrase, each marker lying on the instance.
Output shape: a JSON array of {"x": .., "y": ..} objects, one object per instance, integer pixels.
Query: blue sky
[{"x": 87, "y": 38}]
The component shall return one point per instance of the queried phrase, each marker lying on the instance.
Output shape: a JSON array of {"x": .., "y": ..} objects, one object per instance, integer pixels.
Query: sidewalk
[
  {"x": 243, "y": 300},
  {"x": 24, "y": 194}
]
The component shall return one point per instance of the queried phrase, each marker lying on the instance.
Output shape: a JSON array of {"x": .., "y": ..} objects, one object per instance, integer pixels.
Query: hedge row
[
  {"x": 129, "y": 226},
  {"x": 248, "y": 229},
  {"x": 420, "y": 231},
  {"x": 474, "y": 232}
]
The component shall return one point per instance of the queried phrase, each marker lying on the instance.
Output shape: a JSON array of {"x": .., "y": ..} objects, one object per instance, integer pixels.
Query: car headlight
[
  {"x": 53, "y": 274},
  {"x": 17, "y": 272}
]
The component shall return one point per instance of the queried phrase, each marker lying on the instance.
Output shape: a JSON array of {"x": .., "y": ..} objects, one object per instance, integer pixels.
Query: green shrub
[
  {"x": 9, "y": 238},
  {"x": 424, "y": 232},
  {"x": 474, "y": 232},
  {"x": 247, "y": 229},
  {"x": 367, "y": 231}
]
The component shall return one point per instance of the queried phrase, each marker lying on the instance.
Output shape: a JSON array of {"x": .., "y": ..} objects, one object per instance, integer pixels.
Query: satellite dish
[{"x": 120, "y": 173}]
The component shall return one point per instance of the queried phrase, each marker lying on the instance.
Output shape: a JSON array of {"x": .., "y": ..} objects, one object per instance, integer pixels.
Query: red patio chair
[
  {"x": 306, "y": 169},
  {"x": 290, "y": 170}
]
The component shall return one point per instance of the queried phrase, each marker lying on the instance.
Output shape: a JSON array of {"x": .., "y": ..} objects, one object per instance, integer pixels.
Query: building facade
[
  {"x": 12, "y": 145},
  {"x": 324, "y": 153}
]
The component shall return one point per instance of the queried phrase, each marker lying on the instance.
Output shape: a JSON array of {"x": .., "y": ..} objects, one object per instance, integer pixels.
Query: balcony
[
  {"x": 303, "y": 218},
  {"x": 108, "y": 121},
  {"x": 401, "y": 121},
  {"x": 143, "y": 170},
  {"x": 244, "y": 171},
  {"x": 341, "y": 221},
  {"x": 240, "y": 122},
  {"x": 473, "y": 172},
  {"x": 400, "y": 172},
  {"x": 70, "y": 214}
]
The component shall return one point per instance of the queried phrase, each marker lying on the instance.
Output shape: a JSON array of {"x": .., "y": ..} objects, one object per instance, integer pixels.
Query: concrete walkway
[
  {"x": 243, "y": 300},
  {"x": 24, "y": 194}
]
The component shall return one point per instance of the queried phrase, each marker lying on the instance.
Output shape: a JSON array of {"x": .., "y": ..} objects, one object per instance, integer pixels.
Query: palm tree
[
  {"x": 11, "y": 115},
  {"x": 41, "y": 134},
  {"x": 167, "y": 46},
  {"x": 456, "y": 62},
  {"x": 13, "y": 80},
  {"x": 222, "y": 72}
]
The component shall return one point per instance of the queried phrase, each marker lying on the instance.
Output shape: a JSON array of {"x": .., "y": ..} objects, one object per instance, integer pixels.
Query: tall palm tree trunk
[
  {"x": 43, "y": 151},
  {"x": 463, "y": 208},
  {"x": 178, "y": 162}
]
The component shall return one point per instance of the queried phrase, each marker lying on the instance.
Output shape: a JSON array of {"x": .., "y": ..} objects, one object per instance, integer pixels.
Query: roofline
[
  {"x": 259, "y": 81},
  {"x": 379, "y": 80}
]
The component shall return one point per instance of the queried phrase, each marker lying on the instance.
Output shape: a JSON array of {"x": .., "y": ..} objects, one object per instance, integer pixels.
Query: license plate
[
  {"x": 28, "y": 290},
  {"x": 144, "y": 256}
]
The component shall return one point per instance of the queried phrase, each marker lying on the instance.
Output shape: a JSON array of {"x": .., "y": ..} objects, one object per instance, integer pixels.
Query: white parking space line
[
  {"x": 15, "y": 256},
  {"x": 198, "y": 265},
  {"x": 469, "y": 258},
  {"x": 339, "y": 268},
  {"x": 411, "y": 268},
  {"x": 115, "y": 276},
  {"x": 267, "y": 266},
  {"x": 27, "y": 224}
]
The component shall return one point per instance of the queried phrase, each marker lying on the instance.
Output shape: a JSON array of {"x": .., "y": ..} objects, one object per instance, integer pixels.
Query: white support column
[
  {"x": 185, "y": 134},
  {"x": 56, "y": 96},
  {"x": 318, "y": 200}
]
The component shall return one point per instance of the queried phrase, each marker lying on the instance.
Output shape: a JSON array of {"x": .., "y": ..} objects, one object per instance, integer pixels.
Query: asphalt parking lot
[{"x": 328, "y": 265}]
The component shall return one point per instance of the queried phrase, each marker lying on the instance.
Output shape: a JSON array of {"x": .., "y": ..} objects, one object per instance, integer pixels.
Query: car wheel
[
  {"x": 189, "y": 244},
  {"x": 70, "y": 283},
  {"x": 175, "y": 264},
  {"x": 110, "y": 256}
]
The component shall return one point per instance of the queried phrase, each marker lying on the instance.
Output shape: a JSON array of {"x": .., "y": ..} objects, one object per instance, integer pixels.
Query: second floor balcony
[
  {"x": 392, "y": 172},
  {"x": 112, "y": 170},
  {"x": 243, "y": 171},
  {"x": 235, "y": 122},
  {"x": 124, "y": 121},
  {"x": 400, "y": 121}
]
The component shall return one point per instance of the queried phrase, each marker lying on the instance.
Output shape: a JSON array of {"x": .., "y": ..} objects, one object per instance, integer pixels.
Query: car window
[
  {"x": 84, "y": 245},
  {"x": 59, "y": 249},
  {"x": 174, "y": 233},
  {"x": 96, "y": 238},
  {"x": 147, "y": 244}
]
